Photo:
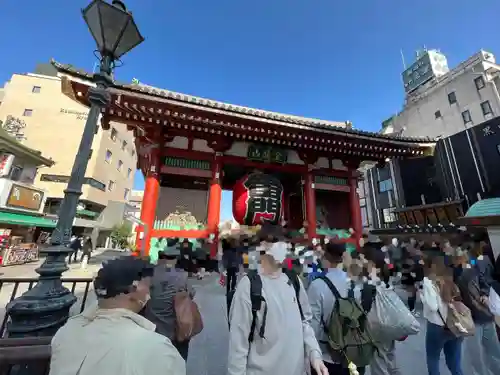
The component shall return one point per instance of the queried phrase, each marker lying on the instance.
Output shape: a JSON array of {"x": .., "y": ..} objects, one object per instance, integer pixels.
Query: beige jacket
[{"x": 112, "y": 342}]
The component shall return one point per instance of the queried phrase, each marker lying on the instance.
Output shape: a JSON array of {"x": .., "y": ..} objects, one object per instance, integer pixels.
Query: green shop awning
[{"x": 28, "y": 220}]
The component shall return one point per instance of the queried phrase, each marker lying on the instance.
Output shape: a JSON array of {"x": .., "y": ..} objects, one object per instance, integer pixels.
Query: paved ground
[{"x": 208, "y": 351}]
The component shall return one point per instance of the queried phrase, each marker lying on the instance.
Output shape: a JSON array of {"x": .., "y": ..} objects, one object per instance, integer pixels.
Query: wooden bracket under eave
[{"x": 67, "y": 88}]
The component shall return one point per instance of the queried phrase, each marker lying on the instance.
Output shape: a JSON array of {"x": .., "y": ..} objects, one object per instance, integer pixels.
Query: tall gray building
[{"x": 439, "y": 103}]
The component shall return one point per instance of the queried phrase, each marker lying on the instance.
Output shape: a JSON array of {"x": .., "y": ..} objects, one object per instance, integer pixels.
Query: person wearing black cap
[{"x": 111, "y": 337}]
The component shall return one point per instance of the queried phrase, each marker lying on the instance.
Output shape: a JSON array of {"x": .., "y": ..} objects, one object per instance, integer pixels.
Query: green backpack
[{"x": 349, "y": 337}]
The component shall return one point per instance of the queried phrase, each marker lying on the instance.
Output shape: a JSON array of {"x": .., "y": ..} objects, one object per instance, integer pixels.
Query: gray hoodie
[{"x": 288, "y": 345}]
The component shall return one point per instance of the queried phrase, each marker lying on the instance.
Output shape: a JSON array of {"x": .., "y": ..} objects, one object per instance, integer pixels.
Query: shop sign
[
  {"x": 6, "y": 161},
  {"x": 23, "y": 197},
  {"x": 20, "y": 255},
  {"x": 418, "y": 73},
  {"x": 267, "y": 154},
  {"x": 80, "y": 115}
]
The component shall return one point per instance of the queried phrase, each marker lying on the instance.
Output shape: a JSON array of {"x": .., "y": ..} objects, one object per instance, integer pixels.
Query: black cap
[
  {"x": 117, "y": 276},
  {"x": 334, "y": 251},
  {"x": 271, "y": 233}
]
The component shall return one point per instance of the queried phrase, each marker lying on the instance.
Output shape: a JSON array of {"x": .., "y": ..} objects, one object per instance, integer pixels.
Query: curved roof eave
[{"x": 265, "y": 116}]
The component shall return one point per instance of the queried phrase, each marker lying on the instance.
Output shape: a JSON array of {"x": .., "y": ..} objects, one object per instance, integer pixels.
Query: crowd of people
[
  {"x": 291, "y": 311},
  {"x": 80, "y": 245}
]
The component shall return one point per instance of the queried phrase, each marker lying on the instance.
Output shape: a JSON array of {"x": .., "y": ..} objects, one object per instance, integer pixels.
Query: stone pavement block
[{"x": 208, "y": 351}]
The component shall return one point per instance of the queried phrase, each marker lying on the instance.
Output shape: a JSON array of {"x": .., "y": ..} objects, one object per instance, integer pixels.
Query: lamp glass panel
[{"x": 93, "y": 20}]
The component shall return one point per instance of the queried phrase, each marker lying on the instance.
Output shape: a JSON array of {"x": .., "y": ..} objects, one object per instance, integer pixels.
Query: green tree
[{"x": 121, "y": 233}]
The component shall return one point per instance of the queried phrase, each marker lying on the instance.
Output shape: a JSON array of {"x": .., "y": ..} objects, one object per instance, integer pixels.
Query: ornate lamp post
[{"x": 43, "y": 309}]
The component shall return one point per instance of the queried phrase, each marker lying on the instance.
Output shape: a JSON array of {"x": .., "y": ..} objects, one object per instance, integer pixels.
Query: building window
[
  {"x": 385, "y": 185},
  {"x": 28, "y": 113},
  {"x": 120, "y": 165},
  {"x": 486, "y": 108},
  {"x": 466, "y": 117},
  {"x": 479, "y": 82},
  {"x": 361, "y": 188},
  {"x": 95, "y": 184},
  {"x": 364, "y": 217},
  {"x": 125, "y": 193},
  {"x": 54, "y": 178},
  {"x": 452, "y": 97},
  {"x": 111, "y": 185},
  {"x": 15, "y": 173},
  {"x": 124, "y": 145},
  {"x": 109, "y": 155},
  {"x": 36, "y": 89},
  {"x": 388, "y": 214},
  {"x": 437, "y": 114},
  {"x": 64, "y": 179},
  {"x": 129, "y": 172},
  {"x": 114, "y": 133}
]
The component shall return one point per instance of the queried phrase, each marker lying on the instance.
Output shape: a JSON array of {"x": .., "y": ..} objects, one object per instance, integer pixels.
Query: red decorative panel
[{"x": 258, "y": 198}]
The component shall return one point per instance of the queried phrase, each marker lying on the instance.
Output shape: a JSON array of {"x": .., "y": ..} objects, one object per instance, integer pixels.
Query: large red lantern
[{"x": 258, "y": 199}]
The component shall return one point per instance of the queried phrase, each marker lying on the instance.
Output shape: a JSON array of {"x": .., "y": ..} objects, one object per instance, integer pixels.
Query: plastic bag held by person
[
  {"x": 494, "y": 302},
  {"x": 389, "y": 317}
]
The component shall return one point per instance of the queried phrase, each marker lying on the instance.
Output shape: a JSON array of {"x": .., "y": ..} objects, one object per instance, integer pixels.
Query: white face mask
[{"x": 395, "y": 242}]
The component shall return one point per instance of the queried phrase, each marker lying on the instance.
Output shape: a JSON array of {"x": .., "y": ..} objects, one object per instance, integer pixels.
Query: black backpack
[{"x": 256, "y": 299}]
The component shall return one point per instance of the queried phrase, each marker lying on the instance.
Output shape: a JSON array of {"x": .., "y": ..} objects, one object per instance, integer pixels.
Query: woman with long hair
[{"x": 438, "y": 291}]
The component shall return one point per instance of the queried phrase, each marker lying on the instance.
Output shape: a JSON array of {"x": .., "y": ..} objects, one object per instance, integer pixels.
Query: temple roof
[{"x": 342, "y": 127}]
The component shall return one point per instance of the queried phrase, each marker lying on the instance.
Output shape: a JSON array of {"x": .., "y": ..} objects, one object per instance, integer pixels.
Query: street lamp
[{"x": 43, "y": 309}]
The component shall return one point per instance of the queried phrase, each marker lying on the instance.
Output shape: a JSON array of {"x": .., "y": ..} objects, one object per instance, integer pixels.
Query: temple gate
[{"x": 190, "y": 149}]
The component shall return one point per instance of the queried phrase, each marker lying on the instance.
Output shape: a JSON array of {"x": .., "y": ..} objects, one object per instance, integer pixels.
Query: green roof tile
[{"x": 485, "y": 207}]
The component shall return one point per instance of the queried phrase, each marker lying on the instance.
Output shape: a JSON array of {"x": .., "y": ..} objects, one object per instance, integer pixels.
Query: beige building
[
  {"x": 448, "y": 103},
  {"x": 54, "y": 125}
]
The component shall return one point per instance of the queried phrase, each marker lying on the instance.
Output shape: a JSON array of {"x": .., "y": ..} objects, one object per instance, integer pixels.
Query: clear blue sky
[{"x": 331, "y": 59}]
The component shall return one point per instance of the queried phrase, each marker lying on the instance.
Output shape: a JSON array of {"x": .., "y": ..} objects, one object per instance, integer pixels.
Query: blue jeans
[
  {"x": 483, "y": 350},
  {"x": 438, "y": 339}
]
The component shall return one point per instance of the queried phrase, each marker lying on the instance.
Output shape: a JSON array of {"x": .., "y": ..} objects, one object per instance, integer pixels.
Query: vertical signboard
[
  {"x": 418, "y": 73},
  {"x": 6, "y": 161}
]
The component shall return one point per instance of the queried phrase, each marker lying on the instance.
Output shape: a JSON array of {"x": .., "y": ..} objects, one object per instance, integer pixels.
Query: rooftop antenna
[{"x": 403, "y": 58}]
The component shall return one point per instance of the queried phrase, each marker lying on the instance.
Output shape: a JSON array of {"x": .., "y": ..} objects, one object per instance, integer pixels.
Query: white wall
[{"x": 418, "y": 117}]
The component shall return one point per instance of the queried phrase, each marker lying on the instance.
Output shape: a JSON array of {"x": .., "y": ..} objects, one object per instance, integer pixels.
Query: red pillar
[
  {"x": 356, "y": 222},
  {"x": 310, "y": 198},
  {"x": 151, "y": 193},
  {"x": 214, "y": 201}
]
